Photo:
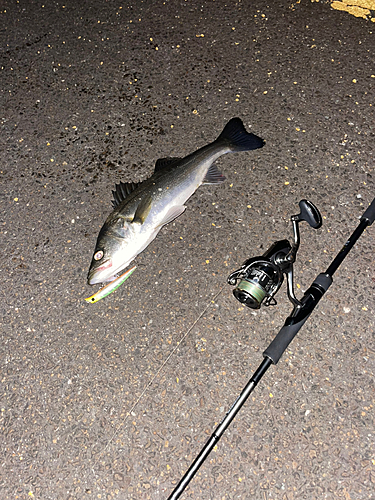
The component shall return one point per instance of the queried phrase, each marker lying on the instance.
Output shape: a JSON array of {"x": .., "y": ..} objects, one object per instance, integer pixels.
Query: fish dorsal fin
[
  {"x": 213, "y": 176},
  {"x": 164, "y": 162},
  {"x": 122, "y": 191}
]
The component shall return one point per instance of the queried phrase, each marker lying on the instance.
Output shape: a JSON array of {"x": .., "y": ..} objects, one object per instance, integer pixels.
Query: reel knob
[{"x": 309, "y": 213}]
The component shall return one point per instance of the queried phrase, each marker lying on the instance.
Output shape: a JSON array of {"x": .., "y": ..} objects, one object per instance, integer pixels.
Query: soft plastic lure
[{"x": 111, "y": 287}]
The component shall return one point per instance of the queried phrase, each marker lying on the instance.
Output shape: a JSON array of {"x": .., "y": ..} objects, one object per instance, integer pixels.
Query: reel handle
[{"x": 309, "y": 213}]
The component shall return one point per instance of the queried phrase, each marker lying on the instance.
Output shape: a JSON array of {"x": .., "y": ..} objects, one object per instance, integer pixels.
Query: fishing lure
[{"x": 111, "y": 287}]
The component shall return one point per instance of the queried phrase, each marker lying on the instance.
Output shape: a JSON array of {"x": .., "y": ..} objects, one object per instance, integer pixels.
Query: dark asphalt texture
[{"x": 115, "y": 399}]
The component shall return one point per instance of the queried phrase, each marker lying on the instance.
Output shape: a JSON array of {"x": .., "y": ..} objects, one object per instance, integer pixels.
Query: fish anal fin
[
  {"x": 172, "y": 214},
  {"x": 122, "y": 191},
  {"x": 164, "y": 162},
  {"x": 213, "y": 176}
]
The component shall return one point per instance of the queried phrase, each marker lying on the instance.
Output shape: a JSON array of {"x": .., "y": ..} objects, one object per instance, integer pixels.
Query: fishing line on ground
[{"x": 157, "y": 374}]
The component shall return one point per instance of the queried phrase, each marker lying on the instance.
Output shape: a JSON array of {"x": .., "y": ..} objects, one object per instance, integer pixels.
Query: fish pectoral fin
[
  {"x": 213, "y": 176},
  {"x": 172, "y": 214},
  {"x": 164, "y": 162},
  {"x": 143, "y": 210}
]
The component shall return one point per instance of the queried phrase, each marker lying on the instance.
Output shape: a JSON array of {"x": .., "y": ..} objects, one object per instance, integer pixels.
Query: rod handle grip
[
  {"x": 297, "y": 319},
  {"x": 277, "y": 347},
  {"x": 369, "y": 214}
]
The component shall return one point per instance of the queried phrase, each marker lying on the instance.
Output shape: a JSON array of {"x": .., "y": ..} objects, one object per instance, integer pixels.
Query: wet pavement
[{"x": 115, "y": 399}]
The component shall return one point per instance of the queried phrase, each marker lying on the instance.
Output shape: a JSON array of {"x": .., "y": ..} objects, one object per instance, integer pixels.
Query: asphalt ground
[{"x": 115, "y": 399}]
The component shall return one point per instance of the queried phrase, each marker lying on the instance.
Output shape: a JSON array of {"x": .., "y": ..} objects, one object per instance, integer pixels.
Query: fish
[
  {"x": 140, "y": 210},
  {"x": 111, "y": 287}
]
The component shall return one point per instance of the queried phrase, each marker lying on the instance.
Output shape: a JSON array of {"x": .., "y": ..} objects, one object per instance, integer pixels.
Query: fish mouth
[{"x": 98, "y": 274}]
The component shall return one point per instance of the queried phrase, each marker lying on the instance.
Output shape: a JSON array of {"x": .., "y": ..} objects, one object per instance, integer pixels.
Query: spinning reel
[{"x": 260, "y": 278}]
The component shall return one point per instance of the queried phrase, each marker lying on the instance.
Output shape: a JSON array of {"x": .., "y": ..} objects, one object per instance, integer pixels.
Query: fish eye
[{"x": 98, "y": 255}]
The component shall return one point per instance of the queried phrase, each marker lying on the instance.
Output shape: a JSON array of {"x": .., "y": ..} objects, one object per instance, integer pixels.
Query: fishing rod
[{"x": 256, "y": 283}]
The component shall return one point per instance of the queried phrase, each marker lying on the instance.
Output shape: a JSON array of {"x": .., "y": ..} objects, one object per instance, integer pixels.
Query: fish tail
[{"x": 239, "y": 139}]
